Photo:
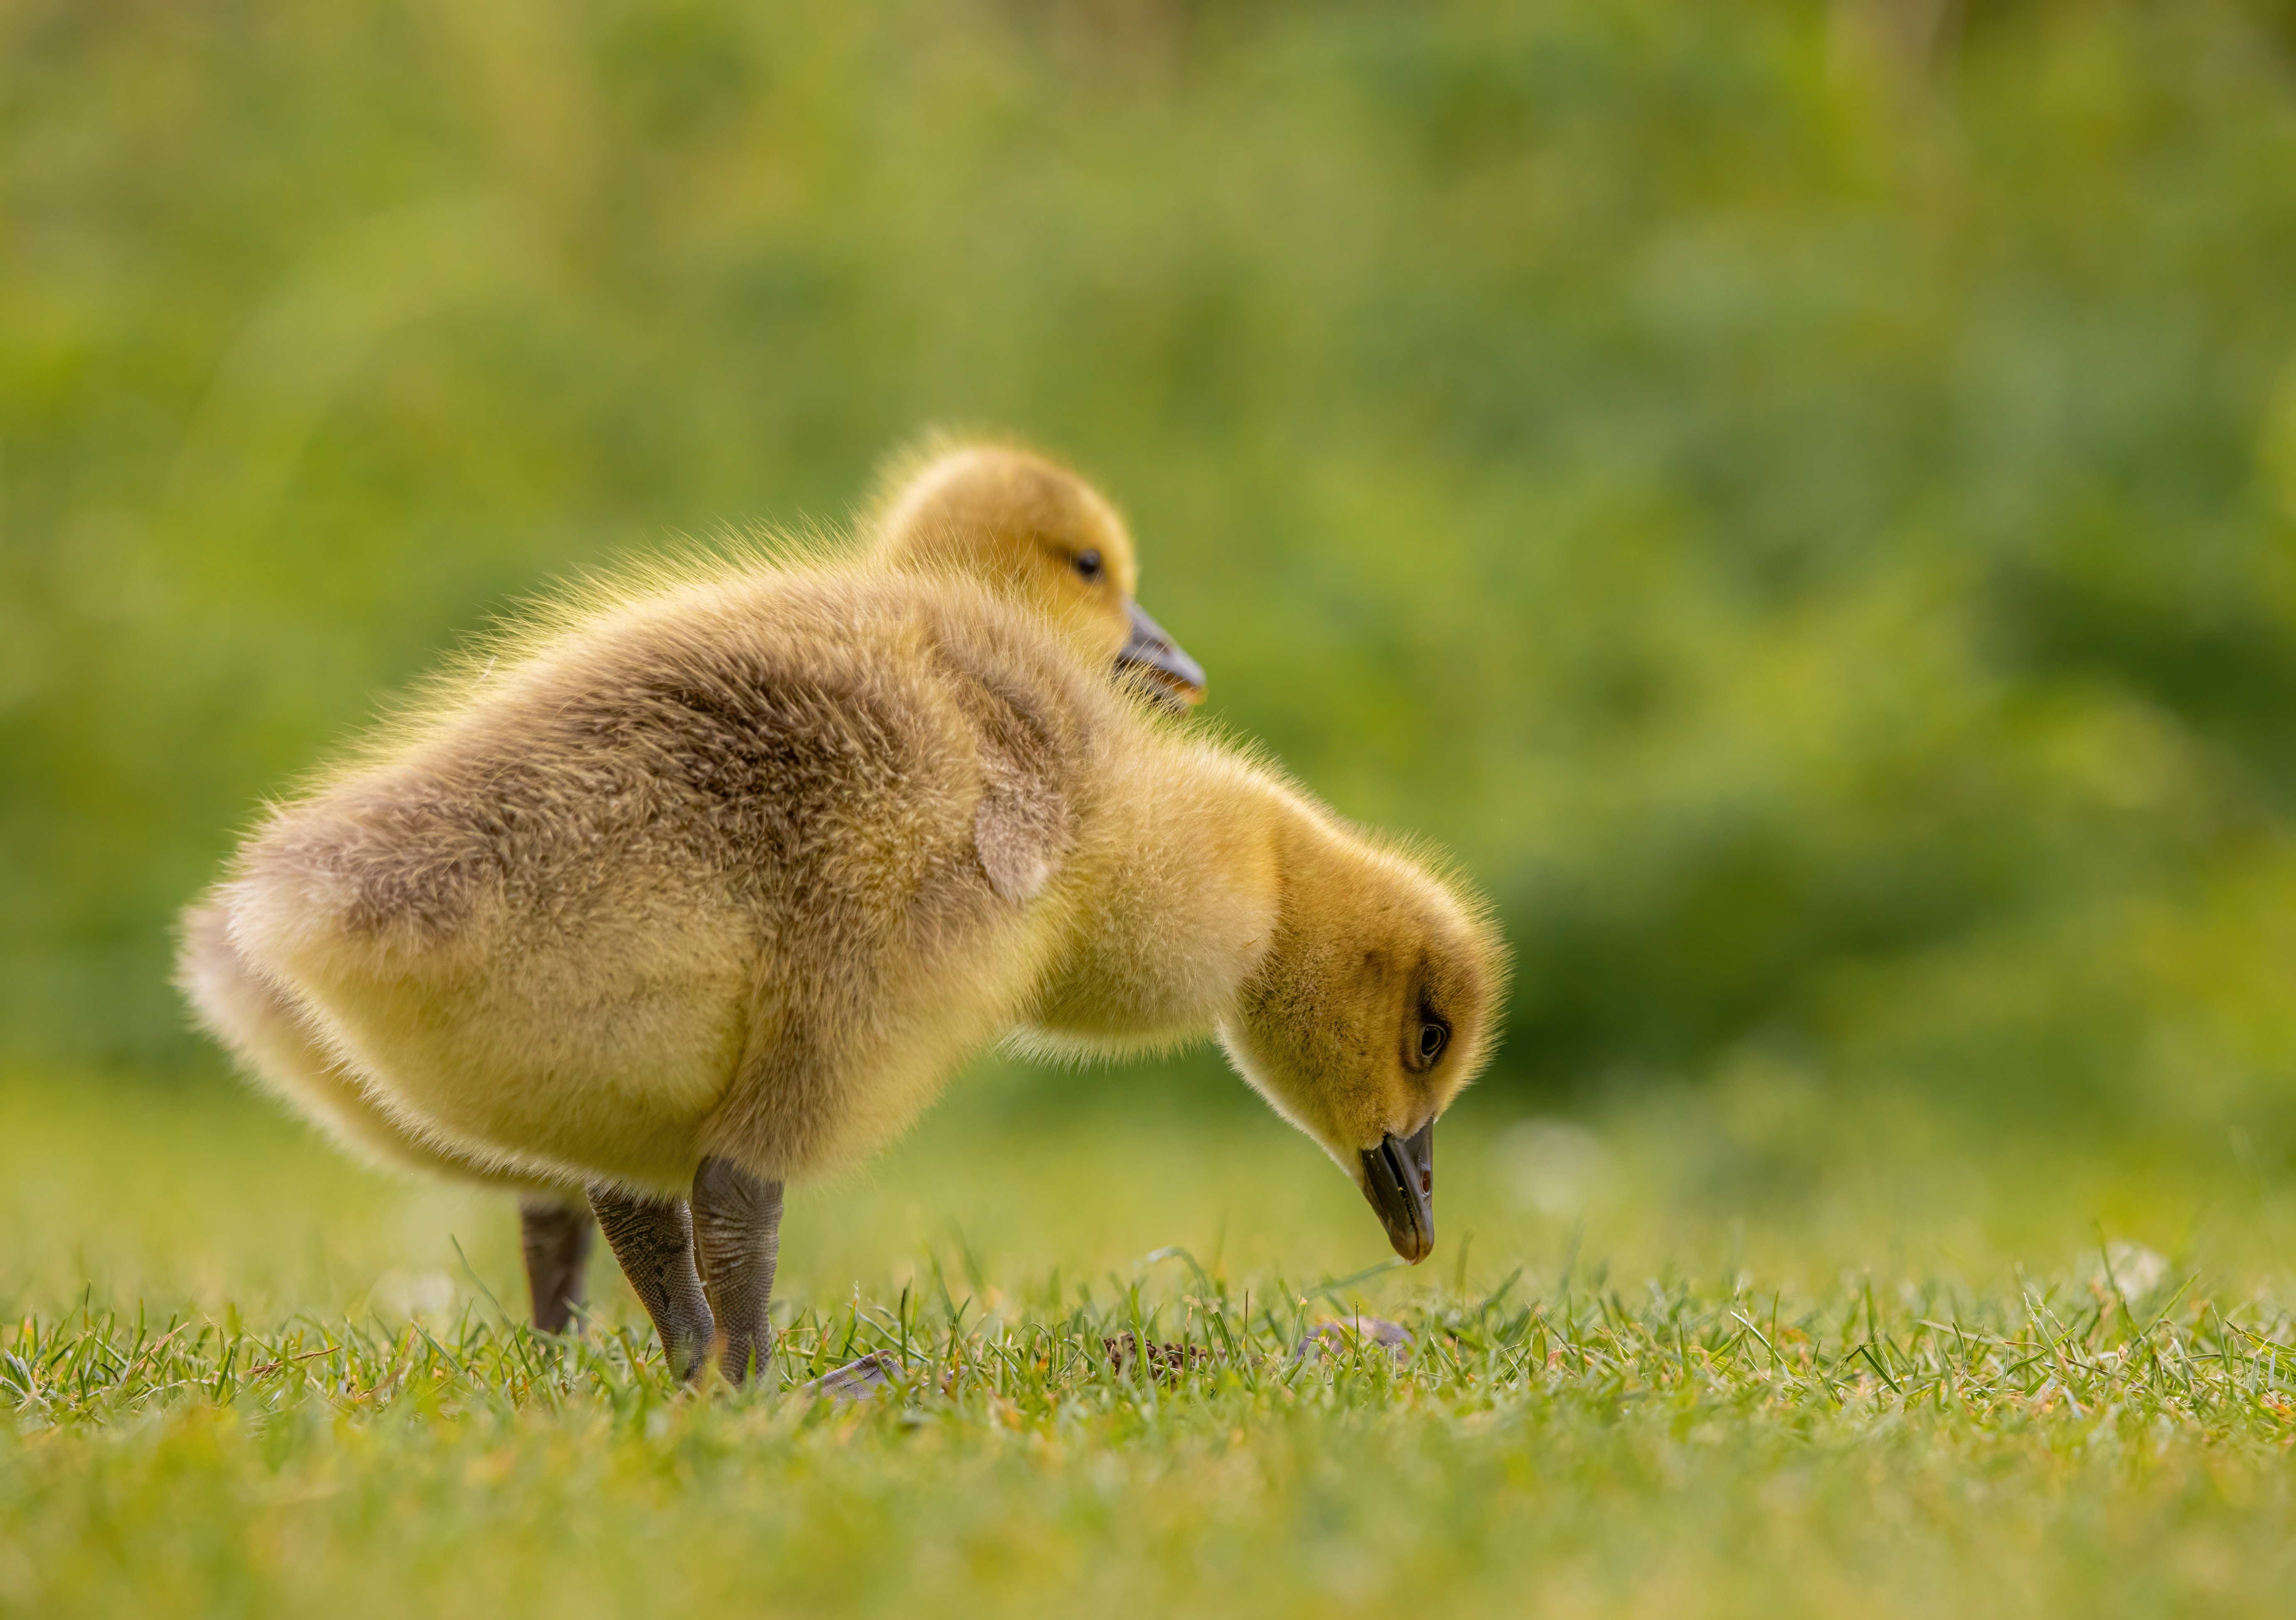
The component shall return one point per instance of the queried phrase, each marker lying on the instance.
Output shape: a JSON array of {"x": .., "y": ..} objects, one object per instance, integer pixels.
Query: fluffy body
[
  {"x": 744, "y": 867},
  {"x": 988, "y": 513}
]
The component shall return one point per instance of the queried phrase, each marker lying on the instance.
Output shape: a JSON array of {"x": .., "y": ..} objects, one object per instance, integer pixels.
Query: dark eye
[
  {"x": 1088, "y": 564},
  {"x": 1434, "y": 1036}
]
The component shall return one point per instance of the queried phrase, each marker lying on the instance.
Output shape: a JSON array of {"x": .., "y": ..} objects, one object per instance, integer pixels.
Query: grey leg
[
  {"x": 737, "y": 1237},
  {"x": 556, "y": 1235},
  {"x": 653, "y": 1238}
]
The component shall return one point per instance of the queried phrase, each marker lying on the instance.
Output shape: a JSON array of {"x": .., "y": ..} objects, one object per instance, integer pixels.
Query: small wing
[{"x": 1021, "y": 829}]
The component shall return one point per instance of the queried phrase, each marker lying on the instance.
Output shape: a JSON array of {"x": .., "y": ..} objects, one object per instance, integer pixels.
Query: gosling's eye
[
  {"x": 1088, "y": 566},
  {"x": 1434, "y": 1036}
]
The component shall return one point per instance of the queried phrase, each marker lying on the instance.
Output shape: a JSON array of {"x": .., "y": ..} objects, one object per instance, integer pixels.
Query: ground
[{"x": 1659, "y": 1364}]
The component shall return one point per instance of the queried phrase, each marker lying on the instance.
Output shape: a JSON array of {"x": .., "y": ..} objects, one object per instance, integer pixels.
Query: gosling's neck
[{"x": 1178, "y": 895}]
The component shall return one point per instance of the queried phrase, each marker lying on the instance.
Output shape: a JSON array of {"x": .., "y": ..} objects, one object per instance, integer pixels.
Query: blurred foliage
[{"x": 1800, "y": 497}]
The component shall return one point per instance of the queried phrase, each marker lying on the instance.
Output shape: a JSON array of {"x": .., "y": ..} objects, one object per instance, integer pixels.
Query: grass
[
  {"x": 1919, "y": 1449},
  {"x": 331, "y": 1412}
]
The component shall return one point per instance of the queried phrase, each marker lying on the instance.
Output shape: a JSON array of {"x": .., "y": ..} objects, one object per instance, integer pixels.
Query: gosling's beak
[
  {"x": 1177, "y": 680},
  {"x": 1399, "y": 1181}
]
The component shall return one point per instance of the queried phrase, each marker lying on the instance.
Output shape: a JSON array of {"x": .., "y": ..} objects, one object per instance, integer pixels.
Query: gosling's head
[
  {"x": 1015, "y": 519},
  {"x": 1375, "y": 1006}
]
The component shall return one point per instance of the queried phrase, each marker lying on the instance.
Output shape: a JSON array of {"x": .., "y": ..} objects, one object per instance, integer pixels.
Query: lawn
[{"x": 245, "y": 1378}]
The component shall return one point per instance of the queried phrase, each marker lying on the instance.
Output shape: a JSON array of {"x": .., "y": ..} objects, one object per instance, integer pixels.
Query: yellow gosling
[{"x": 707, "y": 886}]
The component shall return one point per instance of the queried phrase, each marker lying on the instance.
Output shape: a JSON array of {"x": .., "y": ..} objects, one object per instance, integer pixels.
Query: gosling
[
  {"x": 710, "y": 887},
  {"x": 996, "y": 513}
]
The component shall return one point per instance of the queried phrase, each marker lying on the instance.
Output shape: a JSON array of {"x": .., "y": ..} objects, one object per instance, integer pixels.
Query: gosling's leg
[
  {"x": 737, "y": 1237},
  {"x": 556, "y": 1234},
  {"x": 653, "y": 1238}
]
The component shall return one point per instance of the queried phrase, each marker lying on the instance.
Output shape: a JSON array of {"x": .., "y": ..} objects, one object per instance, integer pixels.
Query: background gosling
[
  {"x": 1000, "y": 513},
  {"x": 996, "y": 513},
  {"x": 712, "y": 886}
]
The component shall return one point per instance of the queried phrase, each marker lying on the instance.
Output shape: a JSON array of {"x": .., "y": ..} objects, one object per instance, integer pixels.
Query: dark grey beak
[
  {"x": 1177, "y": 679},
  {"x": 1399, "y": 1181}
]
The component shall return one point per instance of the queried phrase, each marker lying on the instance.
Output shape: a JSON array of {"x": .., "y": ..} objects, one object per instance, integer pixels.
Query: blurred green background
[{"x": 1800, "y": 497}]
